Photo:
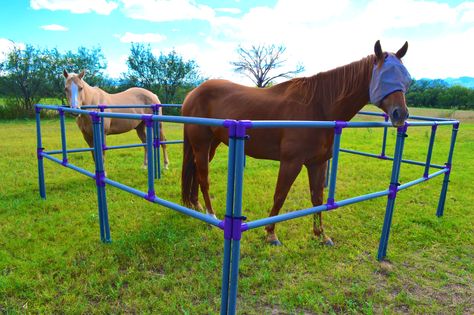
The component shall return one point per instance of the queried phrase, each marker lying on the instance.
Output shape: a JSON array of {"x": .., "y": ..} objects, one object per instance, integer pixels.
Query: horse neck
[
  {"x": 92, "y": 95},
  {"x": 342, "y": 92}
]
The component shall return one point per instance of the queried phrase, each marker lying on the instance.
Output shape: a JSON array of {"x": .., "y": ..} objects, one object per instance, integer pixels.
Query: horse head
[
  {"x": 74, "y": 88},
  {"x": 389, "y": 83}
]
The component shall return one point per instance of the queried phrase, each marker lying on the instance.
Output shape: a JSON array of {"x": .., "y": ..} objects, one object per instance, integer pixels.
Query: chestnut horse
[
  {"x": 78, "y": 93},
  {"x": 333, "y": 95}
]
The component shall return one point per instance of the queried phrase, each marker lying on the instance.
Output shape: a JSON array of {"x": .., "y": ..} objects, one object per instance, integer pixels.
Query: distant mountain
[{"x": 463, "y": 81}]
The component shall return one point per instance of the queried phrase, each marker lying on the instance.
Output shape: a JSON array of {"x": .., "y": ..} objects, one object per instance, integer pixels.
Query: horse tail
[{"x": 188, "y": 173}]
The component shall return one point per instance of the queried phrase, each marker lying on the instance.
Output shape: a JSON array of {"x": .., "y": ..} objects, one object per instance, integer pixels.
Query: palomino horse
[
  {"x": 333, "y": 95},
  {"x": 78, "y": 93}
]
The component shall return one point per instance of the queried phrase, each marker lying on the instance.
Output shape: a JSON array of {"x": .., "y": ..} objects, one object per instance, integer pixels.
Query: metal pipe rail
[{"x": 233, "y": 224}]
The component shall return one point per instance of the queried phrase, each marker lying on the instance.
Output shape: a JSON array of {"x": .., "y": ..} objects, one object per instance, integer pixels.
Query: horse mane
[{"x": 335, "y": 86}]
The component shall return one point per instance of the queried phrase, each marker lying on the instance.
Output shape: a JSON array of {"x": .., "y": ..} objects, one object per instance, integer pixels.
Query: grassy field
[{"x": 51, "y": 259}]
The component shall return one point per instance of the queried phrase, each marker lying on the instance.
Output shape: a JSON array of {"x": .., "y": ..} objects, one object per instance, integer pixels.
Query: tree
[
  {"x": 24, "y": 71},
  {"x": 165, "y": 75},
  {"x": 259, "y": 62},
  {"x": 91, "y": 60},
  {"x": 142, "y": 68},
  {"x": 174, "y": 72}
]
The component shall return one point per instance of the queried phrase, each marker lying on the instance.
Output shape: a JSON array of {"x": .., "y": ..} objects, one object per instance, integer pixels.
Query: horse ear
[
  {"x": 65, "y": 74},
  {"x": 81, "y": 75},
  {"x": 402, "y": 51},
  {"x": 378, "y": 50}
]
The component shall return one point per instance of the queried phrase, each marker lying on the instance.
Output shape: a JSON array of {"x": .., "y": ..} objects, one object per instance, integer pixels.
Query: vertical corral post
[
  {"x": 339, "y": 125},
  {"x": 230, "y": 125},
  {"x": 232, "y": 223},
  {"x": 63, "y": 135},
  {"x": 39, "y": 153},
  {"x": 430, "y": 151},
  {"x": 148, "y": 119},
  {"x": 156, "y": 141},
  {"x": 444, "y": 189},
  {"x": 102, "y": 127},
  {"x": 384, "y": 139},
  {"x": 100, "y": 179},
  {"x": 393, "y": 188}
]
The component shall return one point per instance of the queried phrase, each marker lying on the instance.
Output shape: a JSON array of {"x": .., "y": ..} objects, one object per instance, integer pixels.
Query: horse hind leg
[
  {"x": 317, "y": 176},
  {"x": 142, "y": 135},
  {"x": 163, "y": 147},
  {"x": 287, "y": 174}
]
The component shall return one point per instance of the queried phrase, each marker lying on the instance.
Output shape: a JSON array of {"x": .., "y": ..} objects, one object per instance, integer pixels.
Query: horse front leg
[
  {"x": 317, "y": 176},
  {"x": 163, "y": 147},
  {"x": 287, "y": 174}
]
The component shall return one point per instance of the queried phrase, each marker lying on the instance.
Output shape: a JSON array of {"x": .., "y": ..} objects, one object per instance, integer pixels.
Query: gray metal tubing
[
  {"x": 126, "y": 146},
  {"x": 372, "y": 114},
  {"x": 388, "y": 158},
  {"x": 286, "y": 216},
  {"x": 431, "y": 123},
  {"x": 370, "y": 196},
  {"x": 69, "y": 165},
  {"x": 430, "y": 118},
  {"x": 422, "y": 179},
  {"x": 165, "y": 203},
  {"x": 308, "y": 211},
  {"x": 411, "y": 116},
  {"x": 69, "y": 151},
  {"x": 171, "y": 142}
]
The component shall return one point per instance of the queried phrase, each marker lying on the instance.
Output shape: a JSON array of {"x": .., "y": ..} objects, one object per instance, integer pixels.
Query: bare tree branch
[{"x": 257, "y": 62}]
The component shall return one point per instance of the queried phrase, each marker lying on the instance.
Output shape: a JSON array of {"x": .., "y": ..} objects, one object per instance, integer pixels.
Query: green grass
[{"x": 51, "y": 259}]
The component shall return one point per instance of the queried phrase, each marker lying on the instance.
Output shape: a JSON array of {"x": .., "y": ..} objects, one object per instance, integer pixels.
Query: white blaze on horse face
[{"x": 74, "y": 94}]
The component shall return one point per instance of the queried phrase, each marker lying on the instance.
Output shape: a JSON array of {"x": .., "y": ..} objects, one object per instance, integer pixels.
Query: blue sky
[{"x": 318, "y": 34}]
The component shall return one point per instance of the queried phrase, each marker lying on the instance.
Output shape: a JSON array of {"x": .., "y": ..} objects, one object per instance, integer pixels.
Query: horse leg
[
  {"x": 163, "y": 147},
  {"x": 202, "y": 167},
  {"x": 287, "y": 174},
  {"x": 317, "y": 176},
  {"x": 142, "y": 135}
]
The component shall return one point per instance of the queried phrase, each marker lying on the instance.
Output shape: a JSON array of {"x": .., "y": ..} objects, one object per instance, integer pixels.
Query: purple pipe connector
[
  {"x": 331, "y": 204},
  {"x": 102, "y": 107},
  {"x": 403, "y": 128},
  {"x": 448, "y": 167},
  {"x": 156, "y": 107},
  {"x": 230, "y": 124},
  {"x": 39, "y": 153},
  {"x": 233, "y": 227},
  {"x": 242, "y": 126},
  {"x": 339, "y": 125},
  {"x": 148, "y": 119},
  {"x": 37, "y": 109},
  {"x": 156, "y": 143},
  {"x": 393, "y": 189},
  {"x": 100, "y": 178},
  {"x": 150, "y": 196},
  {"x": 385, "y": 116},
  {"x": 95, "y": 117},
  {"x": 382, "y": 157},
  {"x": 64, "y": 162},
  {"x": 61, "y": 111}
]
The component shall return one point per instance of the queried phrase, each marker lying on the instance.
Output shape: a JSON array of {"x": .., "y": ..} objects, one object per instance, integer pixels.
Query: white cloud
[
  {"x": 103, "y": 7},
  {"x": 7, "y": 45},
  {"x": 141, "y": 38},
  {"x": 326, "y": 34},
  {"x": 54, "y": 27},
  {"x": 115, "y": 67},
  {"x": 229, "y": 10},
  {"x": 166, "y": 10}
]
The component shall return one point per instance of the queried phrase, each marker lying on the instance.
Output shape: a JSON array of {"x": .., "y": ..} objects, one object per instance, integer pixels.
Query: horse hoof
[
  {"x": 276, "y": 243},
  {"x": 328, "y": 242}
]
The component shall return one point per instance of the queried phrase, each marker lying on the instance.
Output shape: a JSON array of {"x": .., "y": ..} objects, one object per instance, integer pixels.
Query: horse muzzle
[{"x": 398, "y": 116}]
